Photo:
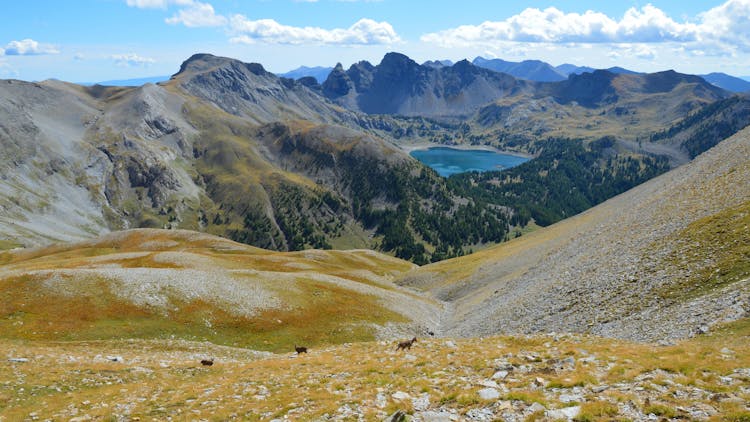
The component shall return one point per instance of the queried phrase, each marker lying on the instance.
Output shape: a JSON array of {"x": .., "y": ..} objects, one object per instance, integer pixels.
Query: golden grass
[
  {"x": 82, "y": 306},
  {"x": 161, "y": 379},
  {"x": 723, "y": 239}
]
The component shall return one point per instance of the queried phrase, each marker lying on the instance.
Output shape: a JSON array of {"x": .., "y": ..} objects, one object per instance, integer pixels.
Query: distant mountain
[
  {"x": 570, "y": 69},
  {"x": 533, "y": 70},
  {"x": 399, "y": 85},
  {"x": 438, "y": 63},
  {"x": 130, "y": 82},
  {"x": 320, "y": 73},
  {"x": 728, "y": 82},
  {"x": 567, "y": 69}
]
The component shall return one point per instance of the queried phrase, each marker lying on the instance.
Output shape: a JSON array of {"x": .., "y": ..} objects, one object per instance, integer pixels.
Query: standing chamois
[
  {"x": 300, "y": 349},
  {"x": 406, "y": 344}
]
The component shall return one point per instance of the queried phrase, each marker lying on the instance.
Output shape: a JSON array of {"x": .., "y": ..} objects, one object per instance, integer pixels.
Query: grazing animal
[
  {"x": 207, "y": 362},
  {"x": 300, "y": 349},
  {"x": 406, "y": 344}
]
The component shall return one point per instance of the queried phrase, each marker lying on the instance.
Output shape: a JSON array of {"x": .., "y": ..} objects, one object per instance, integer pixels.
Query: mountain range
[
  {"x": 229, "y": 149},
  {"x": 534, "y": 70}
]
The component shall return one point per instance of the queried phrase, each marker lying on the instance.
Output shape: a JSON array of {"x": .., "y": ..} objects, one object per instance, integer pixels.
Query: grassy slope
[
  {"x": 695, "y": 217},
  {"x": 318, "y": 297},
  {"x": 160, "y": 379}
]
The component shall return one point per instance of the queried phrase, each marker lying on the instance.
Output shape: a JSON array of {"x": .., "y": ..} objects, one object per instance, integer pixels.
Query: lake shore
[{"x": 409, "y": 147}]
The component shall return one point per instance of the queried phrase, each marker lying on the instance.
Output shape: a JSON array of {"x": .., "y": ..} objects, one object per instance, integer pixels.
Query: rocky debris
[
  {"x": 371, "y": 382},
  {"x": 607, "y": 271}
]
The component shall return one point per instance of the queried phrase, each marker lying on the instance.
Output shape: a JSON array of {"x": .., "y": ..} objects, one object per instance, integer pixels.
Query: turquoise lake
[{"x": 447, "y": 161}]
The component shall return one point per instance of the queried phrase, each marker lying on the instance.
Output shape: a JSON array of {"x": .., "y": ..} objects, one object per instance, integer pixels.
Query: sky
[{"x": 98, "y": 40}]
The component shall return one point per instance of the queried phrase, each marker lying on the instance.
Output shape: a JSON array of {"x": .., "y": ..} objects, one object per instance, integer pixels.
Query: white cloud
[
  {"x": 192, "y": 13},
  {"x": 720, "y": 31},
  {"x": 649, "y": 24},
  {"x": 29, "y": 47},
  {"x": 2, "y": 51},
  {"x": 363, "y": 32},
  {"x": 640, "y": 51},
  {"x": 131, "y": 60},
  {"x": 197, "y": 14},
  {"x": 157, "y": 4},
  {"x": 727, "y": 25}
]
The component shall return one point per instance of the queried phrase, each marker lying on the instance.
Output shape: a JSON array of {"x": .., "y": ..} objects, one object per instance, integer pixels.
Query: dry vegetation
[
  {"x": 498, "y": 378},
  {"x": 156, "y": 284}
]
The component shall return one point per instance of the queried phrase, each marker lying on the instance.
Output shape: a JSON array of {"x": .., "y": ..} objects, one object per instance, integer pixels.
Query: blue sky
[{"x": 94, "y": 40}]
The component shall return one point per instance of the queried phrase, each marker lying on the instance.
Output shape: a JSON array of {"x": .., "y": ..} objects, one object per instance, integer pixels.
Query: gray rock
[
  {"x": 400, "y": 395},
  {"x": 435, "y": 416},
  {"x": 421, "y": 403},
  {"x": 568, "y": 398},
  {"x": 480, "y": 415},
  {"x": 565, "y": 413},
  {"x": 488, "y": 393},
  {"x": 536, "y": 407},
  {"x": 489, "y": 384},
  {"x": 500, "y": 375},
  {"x": 599, "y": 388},
  {"x": 381, "y": 401}
]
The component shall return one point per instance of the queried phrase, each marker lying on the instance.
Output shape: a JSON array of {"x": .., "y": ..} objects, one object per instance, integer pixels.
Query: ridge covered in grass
[{"x": 159, "y": 284}]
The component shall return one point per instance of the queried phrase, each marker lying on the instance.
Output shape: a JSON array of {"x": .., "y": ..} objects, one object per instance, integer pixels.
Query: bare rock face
[
  {"x": 398, "y": 85},
  {"x": 248, "y": 90}
]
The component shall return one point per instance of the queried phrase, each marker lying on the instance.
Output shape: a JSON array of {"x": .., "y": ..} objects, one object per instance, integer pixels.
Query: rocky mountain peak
[
  {"x": 397, "y": 63},
  {"x": 338, "y": 83},
  {"x": 204, "y": 62}
]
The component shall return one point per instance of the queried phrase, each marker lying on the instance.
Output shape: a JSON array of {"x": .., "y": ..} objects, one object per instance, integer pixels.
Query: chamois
[
  {"x": 406, "y": 344},
  {"x": 207, "y": 362},
  {"x": 300, "y": 349}
]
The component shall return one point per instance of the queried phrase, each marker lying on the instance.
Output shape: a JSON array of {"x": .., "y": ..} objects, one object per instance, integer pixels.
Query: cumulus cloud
[
  {"x": 193, "y": 14},
  {"x": 29, "y": 47},
  {"x": 551, "y": 25},
  {"x": 131, "y": 60},
  {"x": 156, "y": 4},
  {"x": 727, "y": 25},
  {"x": 721, "y": 28},
  {"x": 363, "y": 32},
  {"x": 196, "y": 15}
]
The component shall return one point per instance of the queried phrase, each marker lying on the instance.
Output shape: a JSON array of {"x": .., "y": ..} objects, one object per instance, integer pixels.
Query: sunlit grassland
[{"x": 160, "y": 378}]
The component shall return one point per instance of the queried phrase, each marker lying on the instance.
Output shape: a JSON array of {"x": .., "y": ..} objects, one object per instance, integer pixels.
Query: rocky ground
[
  {"x": 657, "y": 262},
  {"x": 554, "y": 377}
]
